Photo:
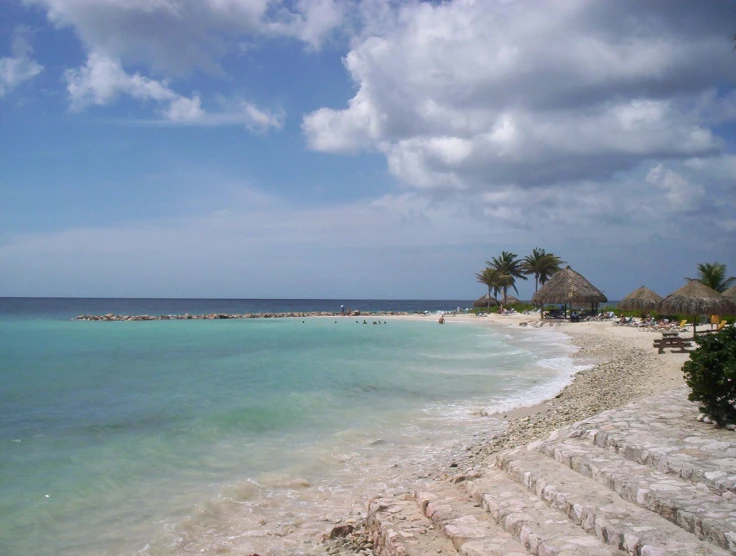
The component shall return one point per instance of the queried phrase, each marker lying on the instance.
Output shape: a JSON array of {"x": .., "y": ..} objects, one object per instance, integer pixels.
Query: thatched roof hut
[
  {"x": 483, "y": 301},
  {"x": 568, "y": 286},
  {"x": 730, "y": 293},
  {"x": 641, "y": 298},
  {"x": 511, "y": 300},
  {"x": 695, "y": 298}
]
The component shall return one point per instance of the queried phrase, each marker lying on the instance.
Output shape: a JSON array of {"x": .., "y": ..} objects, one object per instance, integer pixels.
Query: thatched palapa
[
  {"x": 483, "y": 301},
  {"x": 695, "y": 298},
  {"x": 642, "y": 299},
  {"x": 730, "y": 293},
  {"x": 568, "y": 286}
]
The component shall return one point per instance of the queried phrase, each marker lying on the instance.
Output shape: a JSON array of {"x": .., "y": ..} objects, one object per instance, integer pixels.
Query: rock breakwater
[{"x": 215, "y": 316}]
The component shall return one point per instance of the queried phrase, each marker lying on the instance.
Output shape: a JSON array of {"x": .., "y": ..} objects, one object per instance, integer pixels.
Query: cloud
[
  {"x": 255, "y": 118},
  {"x": 185, "y": 110},
  {"x": 250, "y": 243},
  {"x": 678, "y": 190},
  {"x": 102, "y": 80},
  {"x": 172, "y": 37},
  {"x": 480, "y": 95},
  {"x": 310, "y": 21},
  {"x": 19, "y": 67}
]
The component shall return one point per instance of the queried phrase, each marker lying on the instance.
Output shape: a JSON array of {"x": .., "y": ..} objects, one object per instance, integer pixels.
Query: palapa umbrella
[
  {"x": 730, "y": 293},
  {"x": 567, "y": 286},
  {"x": 695, "y": 298},
  {"x": 641, "y": 298},
  {"x": 483, "y": 301}
]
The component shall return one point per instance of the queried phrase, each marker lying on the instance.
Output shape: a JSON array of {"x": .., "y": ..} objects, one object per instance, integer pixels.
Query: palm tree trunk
[
  {"x": 489, "y": 299},
  {"x": 505, "y": 289},
  {"x": 536, "y": 282}
]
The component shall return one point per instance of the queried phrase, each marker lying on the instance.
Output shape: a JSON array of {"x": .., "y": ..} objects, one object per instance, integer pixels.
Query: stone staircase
[{"x": 644, "y": 480}]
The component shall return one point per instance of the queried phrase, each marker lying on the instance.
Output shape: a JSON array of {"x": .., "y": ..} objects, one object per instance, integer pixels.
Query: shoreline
[{"x": 625, "y": 368}]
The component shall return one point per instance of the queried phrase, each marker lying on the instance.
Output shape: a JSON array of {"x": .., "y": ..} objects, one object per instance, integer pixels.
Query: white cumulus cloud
[
  {"x": 481, "y": 94},
  {"x": 18, "y": 67},
  {"x": 174, "y": 36},
  {"x": 102, "y": 80}
]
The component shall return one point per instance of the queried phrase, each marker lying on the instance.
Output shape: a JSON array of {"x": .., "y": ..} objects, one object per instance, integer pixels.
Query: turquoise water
[{"x": 126, "y": 437}]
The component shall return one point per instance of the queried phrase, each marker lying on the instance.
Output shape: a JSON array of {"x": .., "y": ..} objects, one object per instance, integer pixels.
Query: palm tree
[
  {"x": 490, "y": 278},
  {"x": 542, "y": 265},
  {"x": 714, "y": 276},
  {"x": 509, "y": 265},
  {"x": 495, "y": 281}
]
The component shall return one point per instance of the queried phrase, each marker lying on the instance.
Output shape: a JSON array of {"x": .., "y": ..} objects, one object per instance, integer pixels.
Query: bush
[{"x": 711, "y": 375}]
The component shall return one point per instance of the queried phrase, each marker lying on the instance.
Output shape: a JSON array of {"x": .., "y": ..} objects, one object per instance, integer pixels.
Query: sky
[{"x": 361, "y": 149}]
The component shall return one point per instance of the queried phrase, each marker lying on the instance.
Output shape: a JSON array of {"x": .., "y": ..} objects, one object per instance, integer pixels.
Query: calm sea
[{"x": 236, "y": 436}]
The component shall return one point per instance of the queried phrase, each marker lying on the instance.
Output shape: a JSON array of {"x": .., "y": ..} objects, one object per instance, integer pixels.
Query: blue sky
[{"x": 329, "y": 148}]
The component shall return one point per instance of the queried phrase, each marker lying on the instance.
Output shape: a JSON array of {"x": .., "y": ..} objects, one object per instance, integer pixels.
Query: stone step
[
  {"x": 540, "y": 529},
  {"x": 663, "y": 433},
  {"x": 693, "y": 507},
  {"x": 465, "y": 523},
  {"x": 398, "y": 528},
  {"x": 600, "y": 511}
]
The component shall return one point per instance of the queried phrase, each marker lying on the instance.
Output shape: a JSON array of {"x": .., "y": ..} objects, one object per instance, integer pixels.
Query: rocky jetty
[{"x": 215, "y": 316}]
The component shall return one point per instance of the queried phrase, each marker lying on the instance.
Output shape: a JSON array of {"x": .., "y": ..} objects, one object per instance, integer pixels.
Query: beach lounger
[{"x": 721, "y": 326}]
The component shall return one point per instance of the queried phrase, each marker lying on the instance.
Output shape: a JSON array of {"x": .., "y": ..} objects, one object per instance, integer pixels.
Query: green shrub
[{"x": 711, "y": 375}]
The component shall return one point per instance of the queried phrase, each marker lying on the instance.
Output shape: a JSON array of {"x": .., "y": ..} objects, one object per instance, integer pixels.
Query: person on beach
[{"x": 342, "y": 309}]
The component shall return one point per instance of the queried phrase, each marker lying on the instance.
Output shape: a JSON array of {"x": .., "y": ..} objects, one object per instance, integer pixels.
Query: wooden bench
[{"x": 674, "y": 342}]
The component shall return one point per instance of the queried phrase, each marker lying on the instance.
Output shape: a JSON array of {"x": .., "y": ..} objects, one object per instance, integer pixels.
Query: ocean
[{"x": 237, "y": 436}]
